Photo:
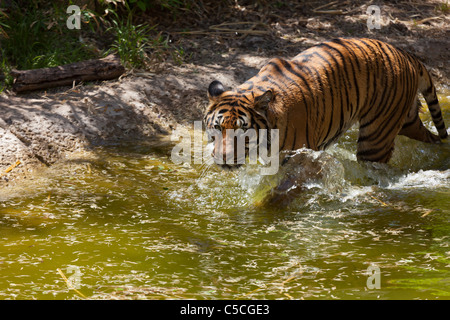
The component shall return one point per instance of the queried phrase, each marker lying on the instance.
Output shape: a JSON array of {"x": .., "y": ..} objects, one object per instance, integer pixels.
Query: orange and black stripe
[{"x": 319, "y": 94}]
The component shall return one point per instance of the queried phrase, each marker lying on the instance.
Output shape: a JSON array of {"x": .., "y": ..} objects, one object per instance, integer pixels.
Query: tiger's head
[{"x": 230, "y": 117}]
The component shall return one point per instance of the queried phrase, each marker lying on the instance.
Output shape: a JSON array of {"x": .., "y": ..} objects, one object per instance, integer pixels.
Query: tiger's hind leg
[
  {"x": 413, "y": 127},
  {"x": 376, "y": 141}
]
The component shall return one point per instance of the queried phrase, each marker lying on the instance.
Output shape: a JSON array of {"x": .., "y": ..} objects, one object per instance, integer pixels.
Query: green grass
[
  {"x": 138, "y": 45},
  {"x": 39, "y": 38},
  {"x": 443, "y": 7},
  {"x": 131, "y": 42}
]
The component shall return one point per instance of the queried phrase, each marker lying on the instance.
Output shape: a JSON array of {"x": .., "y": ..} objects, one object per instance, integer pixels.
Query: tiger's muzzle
[{"x": 229, "y": 152}]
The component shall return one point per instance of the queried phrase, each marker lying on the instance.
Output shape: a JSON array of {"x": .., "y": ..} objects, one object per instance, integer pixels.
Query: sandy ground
[{"x": 41, "y": 128}]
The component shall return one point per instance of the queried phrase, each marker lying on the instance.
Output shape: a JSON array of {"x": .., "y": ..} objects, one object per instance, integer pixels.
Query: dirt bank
[{"x": 39, "y": 128}]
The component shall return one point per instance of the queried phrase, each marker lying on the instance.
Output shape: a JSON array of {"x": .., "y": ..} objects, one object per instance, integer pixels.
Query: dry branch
[
  {"x": 10, "y": 168},
  {"x": 89, "y": 70},
  {"x": 224, "y": 28},
  {"x": 337, "y": 12}
]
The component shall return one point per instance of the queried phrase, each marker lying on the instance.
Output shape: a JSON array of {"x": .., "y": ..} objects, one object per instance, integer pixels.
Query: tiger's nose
[{"x": 225, "y": 156}]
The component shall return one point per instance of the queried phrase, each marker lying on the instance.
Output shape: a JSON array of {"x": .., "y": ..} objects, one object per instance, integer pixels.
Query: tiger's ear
[
  {"x": 262, "y": 101},
  {"x": 215, "y": 89}
]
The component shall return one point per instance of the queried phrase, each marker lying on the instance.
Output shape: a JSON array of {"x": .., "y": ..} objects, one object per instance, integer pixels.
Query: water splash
[{"x": 428, "y": 179}]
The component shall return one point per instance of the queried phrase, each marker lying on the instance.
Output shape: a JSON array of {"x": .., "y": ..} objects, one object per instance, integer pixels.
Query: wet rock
[{"x": 300, "y": 170}]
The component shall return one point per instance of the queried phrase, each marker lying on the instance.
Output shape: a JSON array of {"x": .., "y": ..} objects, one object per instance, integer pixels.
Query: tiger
[{"x": 314, "y": 98}]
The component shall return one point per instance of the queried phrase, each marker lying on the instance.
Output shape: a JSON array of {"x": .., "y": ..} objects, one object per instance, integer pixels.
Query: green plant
[
  {"x": 143, "y": 5},
  {"x": 171, "y": 5},
  {"x": 443, "y": 7},
  {"x": 179, "y": 55},
  {"x": 131, "y": 42},
  {"x": 3, "y": 25}
]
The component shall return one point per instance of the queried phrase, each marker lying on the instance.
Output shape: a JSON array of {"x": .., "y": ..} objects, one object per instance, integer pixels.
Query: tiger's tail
[{"x": 428, "y": 91}]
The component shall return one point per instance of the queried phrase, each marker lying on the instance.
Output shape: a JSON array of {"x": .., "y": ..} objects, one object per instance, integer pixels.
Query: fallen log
[{"x": 89, "y": 70}]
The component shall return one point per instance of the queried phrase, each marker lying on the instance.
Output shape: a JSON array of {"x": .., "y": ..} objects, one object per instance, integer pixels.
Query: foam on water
[{"x": 428, "y": 179}]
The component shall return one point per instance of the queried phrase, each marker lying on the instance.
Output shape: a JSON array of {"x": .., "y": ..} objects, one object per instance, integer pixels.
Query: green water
[{"x": 124, "y": 222}]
